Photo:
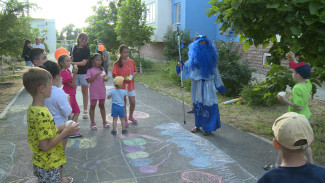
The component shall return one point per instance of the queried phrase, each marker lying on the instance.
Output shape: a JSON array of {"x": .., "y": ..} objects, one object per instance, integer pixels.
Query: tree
[
  {"x": 300, "y": 23},
  {"x": 101, "y": 25},
  {"x": 131, "y": 28},
  {"x": 14, "y": 30}
]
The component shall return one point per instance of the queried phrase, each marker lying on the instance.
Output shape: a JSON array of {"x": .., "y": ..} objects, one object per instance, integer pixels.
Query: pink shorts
[
  {"x": 74, "y": 104},
  {"x": 93, "y": 102}
]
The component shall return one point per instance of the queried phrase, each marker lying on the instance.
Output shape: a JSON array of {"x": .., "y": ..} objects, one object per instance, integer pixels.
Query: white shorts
[{"x": 131, "y": 93}]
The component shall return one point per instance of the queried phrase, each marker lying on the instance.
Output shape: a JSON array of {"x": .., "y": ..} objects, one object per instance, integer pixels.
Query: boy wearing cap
[
  {"x": 117, "y": 96},
  {"x": 293, "y": 135}
]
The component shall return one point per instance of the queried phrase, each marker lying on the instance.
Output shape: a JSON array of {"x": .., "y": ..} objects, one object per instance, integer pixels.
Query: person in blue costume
[{"x": 203, "y": 71}]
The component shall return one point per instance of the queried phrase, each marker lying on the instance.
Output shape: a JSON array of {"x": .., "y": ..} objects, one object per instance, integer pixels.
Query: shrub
[
  {"x": 170, "y": 71},
  {"x": 235, "y": 75},
  {"x": 145, "y": 63},
  {"x": 171, "y": 45},
  {"x": 265, "y": 92}
]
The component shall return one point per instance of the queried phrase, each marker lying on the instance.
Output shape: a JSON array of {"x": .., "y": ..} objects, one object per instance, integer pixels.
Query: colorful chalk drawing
[
  {"x": 145, "y": 152},
  {"x": 200, "y": 177},
  {"x": 7, "y": 150},
  {"x": 136, "y": 115},
  {"x": 82, "y": 143}
]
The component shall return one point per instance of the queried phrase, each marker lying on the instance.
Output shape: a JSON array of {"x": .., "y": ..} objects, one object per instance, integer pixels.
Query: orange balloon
[
  {"x": 101, "y": 48},
  {"x": 59, "y": 52}
]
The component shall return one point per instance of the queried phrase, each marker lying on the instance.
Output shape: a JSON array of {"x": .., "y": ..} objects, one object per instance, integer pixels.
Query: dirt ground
[{"x": 8, "y": 90}]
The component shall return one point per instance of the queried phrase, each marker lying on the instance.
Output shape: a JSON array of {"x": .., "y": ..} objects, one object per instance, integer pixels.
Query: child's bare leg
[
  {"x": 102, "y": 111},
  {"x": 126, "y": 116},
  {"x": 92, "y": 113},
  {"x": 309, "y": 155},
  {"x": 114, "y": 123},
  {"x": 75, "y": 117},
  {"x": 122, "y": 124},
  {"x": 132, "y": 106}
]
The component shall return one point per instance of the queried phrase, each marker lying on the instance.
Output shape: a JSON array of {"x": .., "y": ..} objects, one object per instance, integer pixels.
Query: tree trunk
[
  {"x": 140, "y": 65},
  {"x": 2, "y": 78}
]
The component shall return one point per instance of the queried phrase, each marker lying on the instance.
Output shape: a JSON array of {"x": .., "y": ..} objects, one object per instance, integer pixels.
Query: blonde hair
[{"x": 35, "y": 77}]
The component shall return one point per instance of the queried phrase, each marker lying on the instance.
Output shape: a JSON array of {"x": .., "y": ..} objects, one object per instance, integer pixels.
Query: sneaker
[
  {"x": 269, "y": 167},
  {"x": 78, "y": 134},
  {"x": 113, "y": 132},
  {"x": 124, "y": 131}
]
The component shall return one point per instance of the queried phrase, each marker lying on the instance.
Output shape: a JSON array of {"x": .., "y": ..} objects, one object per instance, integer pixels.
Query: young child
[
  {"x": 43, "y": 137},
  {"x": 298, "y": 101},
  {"x": 58, "y": 103},
  {"x": 118, "y": 110},
  {"x": 80, "y": 55},
  {"x": 293, "y": 135},
  {"x": 69, "y": 86},
  {"x": 37, "y": 56},
  {"x": 126, "y": 68},
  {"x": 97, "y": 90}
]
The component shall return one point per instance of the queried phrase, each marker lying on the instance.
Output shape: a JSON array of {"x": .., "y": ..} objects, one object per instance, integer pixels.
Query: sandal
[
  {"x": 113, "y": 132},
  {"x": 268, "y": 167},
  {"x": 105, "y": 124},
  {"x": 67, "y": 180},
  {"x": 134, "y": 121},
  {"x": 93, "y": 126},
  {"x": 85, "y": 116},
  {"x": 195, "y": 129},
  {"x": 126, "y": 124},
  {"x": 206, "y": 133}
]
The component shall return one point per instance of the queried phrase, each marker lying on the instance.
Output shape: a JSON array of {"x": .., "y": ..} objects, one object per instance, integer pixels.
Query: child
[
  {"x": 69, "y": 86},
  {"x": 37, "y": 56},
  {"x": 126, "y": 68},
  {"x": 293, "y": 135},
  {"x": 43, "y": 137},
  {"x": 300, "y": 95},
  {"x": 80, "y": 55},
  {"x": 57, "y": 104},
  {"x": 118, "y": 110},
  {"x": 97, "y": 90}
]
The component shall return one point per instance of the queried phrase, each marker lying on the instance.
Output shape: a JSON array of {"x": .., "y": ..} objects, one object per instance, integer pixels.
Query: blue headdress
[{"x": 203, "y": 55}]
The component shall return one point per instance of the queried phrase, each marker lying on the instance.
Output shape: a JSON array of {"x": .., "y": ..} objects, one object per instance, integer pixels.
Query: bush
[
  {"x": 171, "y": 45},
  {"x": 170, "y": 71},
  {"x": 235, "y": 75},
  {"x": 146, "y": 63},
  {"x": 265, "y": 92}
]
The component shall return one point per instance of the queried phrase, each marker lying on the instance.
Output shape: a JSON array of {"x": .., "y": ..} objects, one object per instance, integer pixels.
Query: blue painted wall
[{"x": 194, "y": 18}]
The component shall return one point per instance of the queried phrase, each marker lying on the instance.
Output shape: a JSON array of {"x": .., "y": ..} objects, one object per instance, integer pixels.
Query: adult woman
[{"x": 25, "y": 54}]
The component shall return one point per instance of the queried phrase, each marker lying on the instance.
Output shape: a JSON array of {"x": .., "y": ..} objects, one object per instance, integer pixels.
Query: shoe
[
  {"x": 206, "y": 133},
  {"x": 195, "y": 129},
  {"x": 268, "y": 167},
  {"x": 134, "y": 121},
  {"x": 93, "y": 126},
  {"x": 124, "y": 131},
  {"x": 85, "y": 116},
  {"x": 78, "y": 134},
  {"x": 126, "y": 124},
  {"x": 113, "y": 132},
  {"x": 191, "y": 111},
  {"x": 105, "y": 124}
]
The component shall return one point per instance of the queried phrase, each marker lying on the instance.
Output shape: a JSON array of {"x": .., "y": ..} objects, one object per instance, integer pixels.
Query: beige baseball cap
[
  {"x": 118, "y": 80},
  {"x": 293, "y": 131}
]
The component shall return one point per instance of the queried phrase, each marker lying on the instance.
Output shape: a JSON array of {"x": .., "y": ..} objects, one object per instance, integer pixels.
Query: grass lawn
[{"x": 256, "y": 120}]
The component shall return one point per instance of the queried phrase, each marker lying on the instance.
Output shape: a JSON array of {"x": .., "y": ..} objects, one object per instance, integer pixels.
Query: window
[
  {"x": 151, "y": 12},
  {"x": 177, "y": 13}
]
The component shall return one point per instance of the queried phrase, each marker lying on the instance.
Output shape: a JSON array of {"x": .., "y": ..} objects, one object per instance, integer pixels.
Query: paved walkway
[{"x": 159, "y": 149}]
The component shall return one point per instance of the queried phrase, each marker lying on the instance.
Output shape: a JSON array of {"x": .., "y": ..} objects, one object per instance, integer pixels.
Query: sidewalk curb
[{"x": 4, "y": 112}]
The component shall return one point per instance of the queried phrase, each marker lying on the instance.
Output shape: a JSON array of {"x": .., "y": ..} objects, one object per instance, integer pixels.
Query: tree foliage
[
  {"x": 102, "y": 23},
  {"x": 131, "y": 28},
  {"x": 171, "y": 45},
  {"x": 300, "y": 23}
]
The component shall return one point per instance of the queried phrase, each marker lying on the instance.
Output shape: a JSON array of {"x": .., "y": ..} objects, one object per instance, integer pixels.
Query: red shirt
[{"x": 127, "y": 69}]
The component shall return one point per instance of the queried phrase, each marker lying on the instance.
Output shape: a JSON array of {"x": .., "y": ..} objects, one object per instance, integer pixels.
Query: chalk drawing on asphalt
[
  {"x": 145, "y": 152},
  {"x": 200, "y": 177},
  {"x": 136, "y": 115},
  {"x": 82, "y": 143},
  {"x": 7, "y": 150}
]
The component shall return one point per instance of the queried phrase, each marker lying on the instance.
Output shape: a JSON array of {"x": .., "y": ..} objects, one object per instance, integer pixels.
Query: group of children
[{"x": 52, "y": 107}]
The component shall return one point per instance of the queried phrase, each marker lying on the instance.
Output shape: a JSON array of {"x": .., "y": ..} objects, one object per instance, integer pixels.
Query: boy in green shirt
[{"x": 43, "y": 137}]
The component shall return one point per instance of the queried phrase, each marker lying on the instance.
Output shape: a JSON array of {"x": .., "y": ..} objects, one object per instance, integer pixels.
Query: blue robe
[{"x": 204, "y": 96}]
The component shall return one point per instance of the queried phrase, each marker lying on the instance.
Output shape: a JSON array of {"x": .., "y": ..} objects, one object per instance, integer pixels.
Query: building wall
[
  {"x": 50, "y": 36},
  {"x": 153, "y": 51}
]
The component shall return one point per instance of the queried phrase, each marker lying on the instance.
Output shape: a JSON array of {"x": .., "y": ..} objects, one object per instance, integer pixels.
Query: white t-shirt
[
  {"x": 41, "y": 45},
  {"x": 58, "y": 105}
]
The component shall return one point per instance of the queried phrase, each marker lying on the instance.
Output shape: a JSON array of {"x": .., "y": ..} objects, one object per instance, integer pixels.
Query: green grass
[{"x": 256, "y": 120}]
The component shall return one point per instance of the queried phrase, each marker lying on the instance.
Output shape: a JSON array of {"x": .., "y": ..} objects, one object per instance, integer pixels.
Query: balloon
[
  {"x": 101, "y": 48},
  {"x": 59, "y": 52}
]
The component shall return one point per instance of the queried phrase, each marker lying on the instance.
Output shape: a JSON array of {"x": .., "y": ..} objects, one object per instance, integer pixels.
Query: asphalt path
[{"x": 159, "y": 149}]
